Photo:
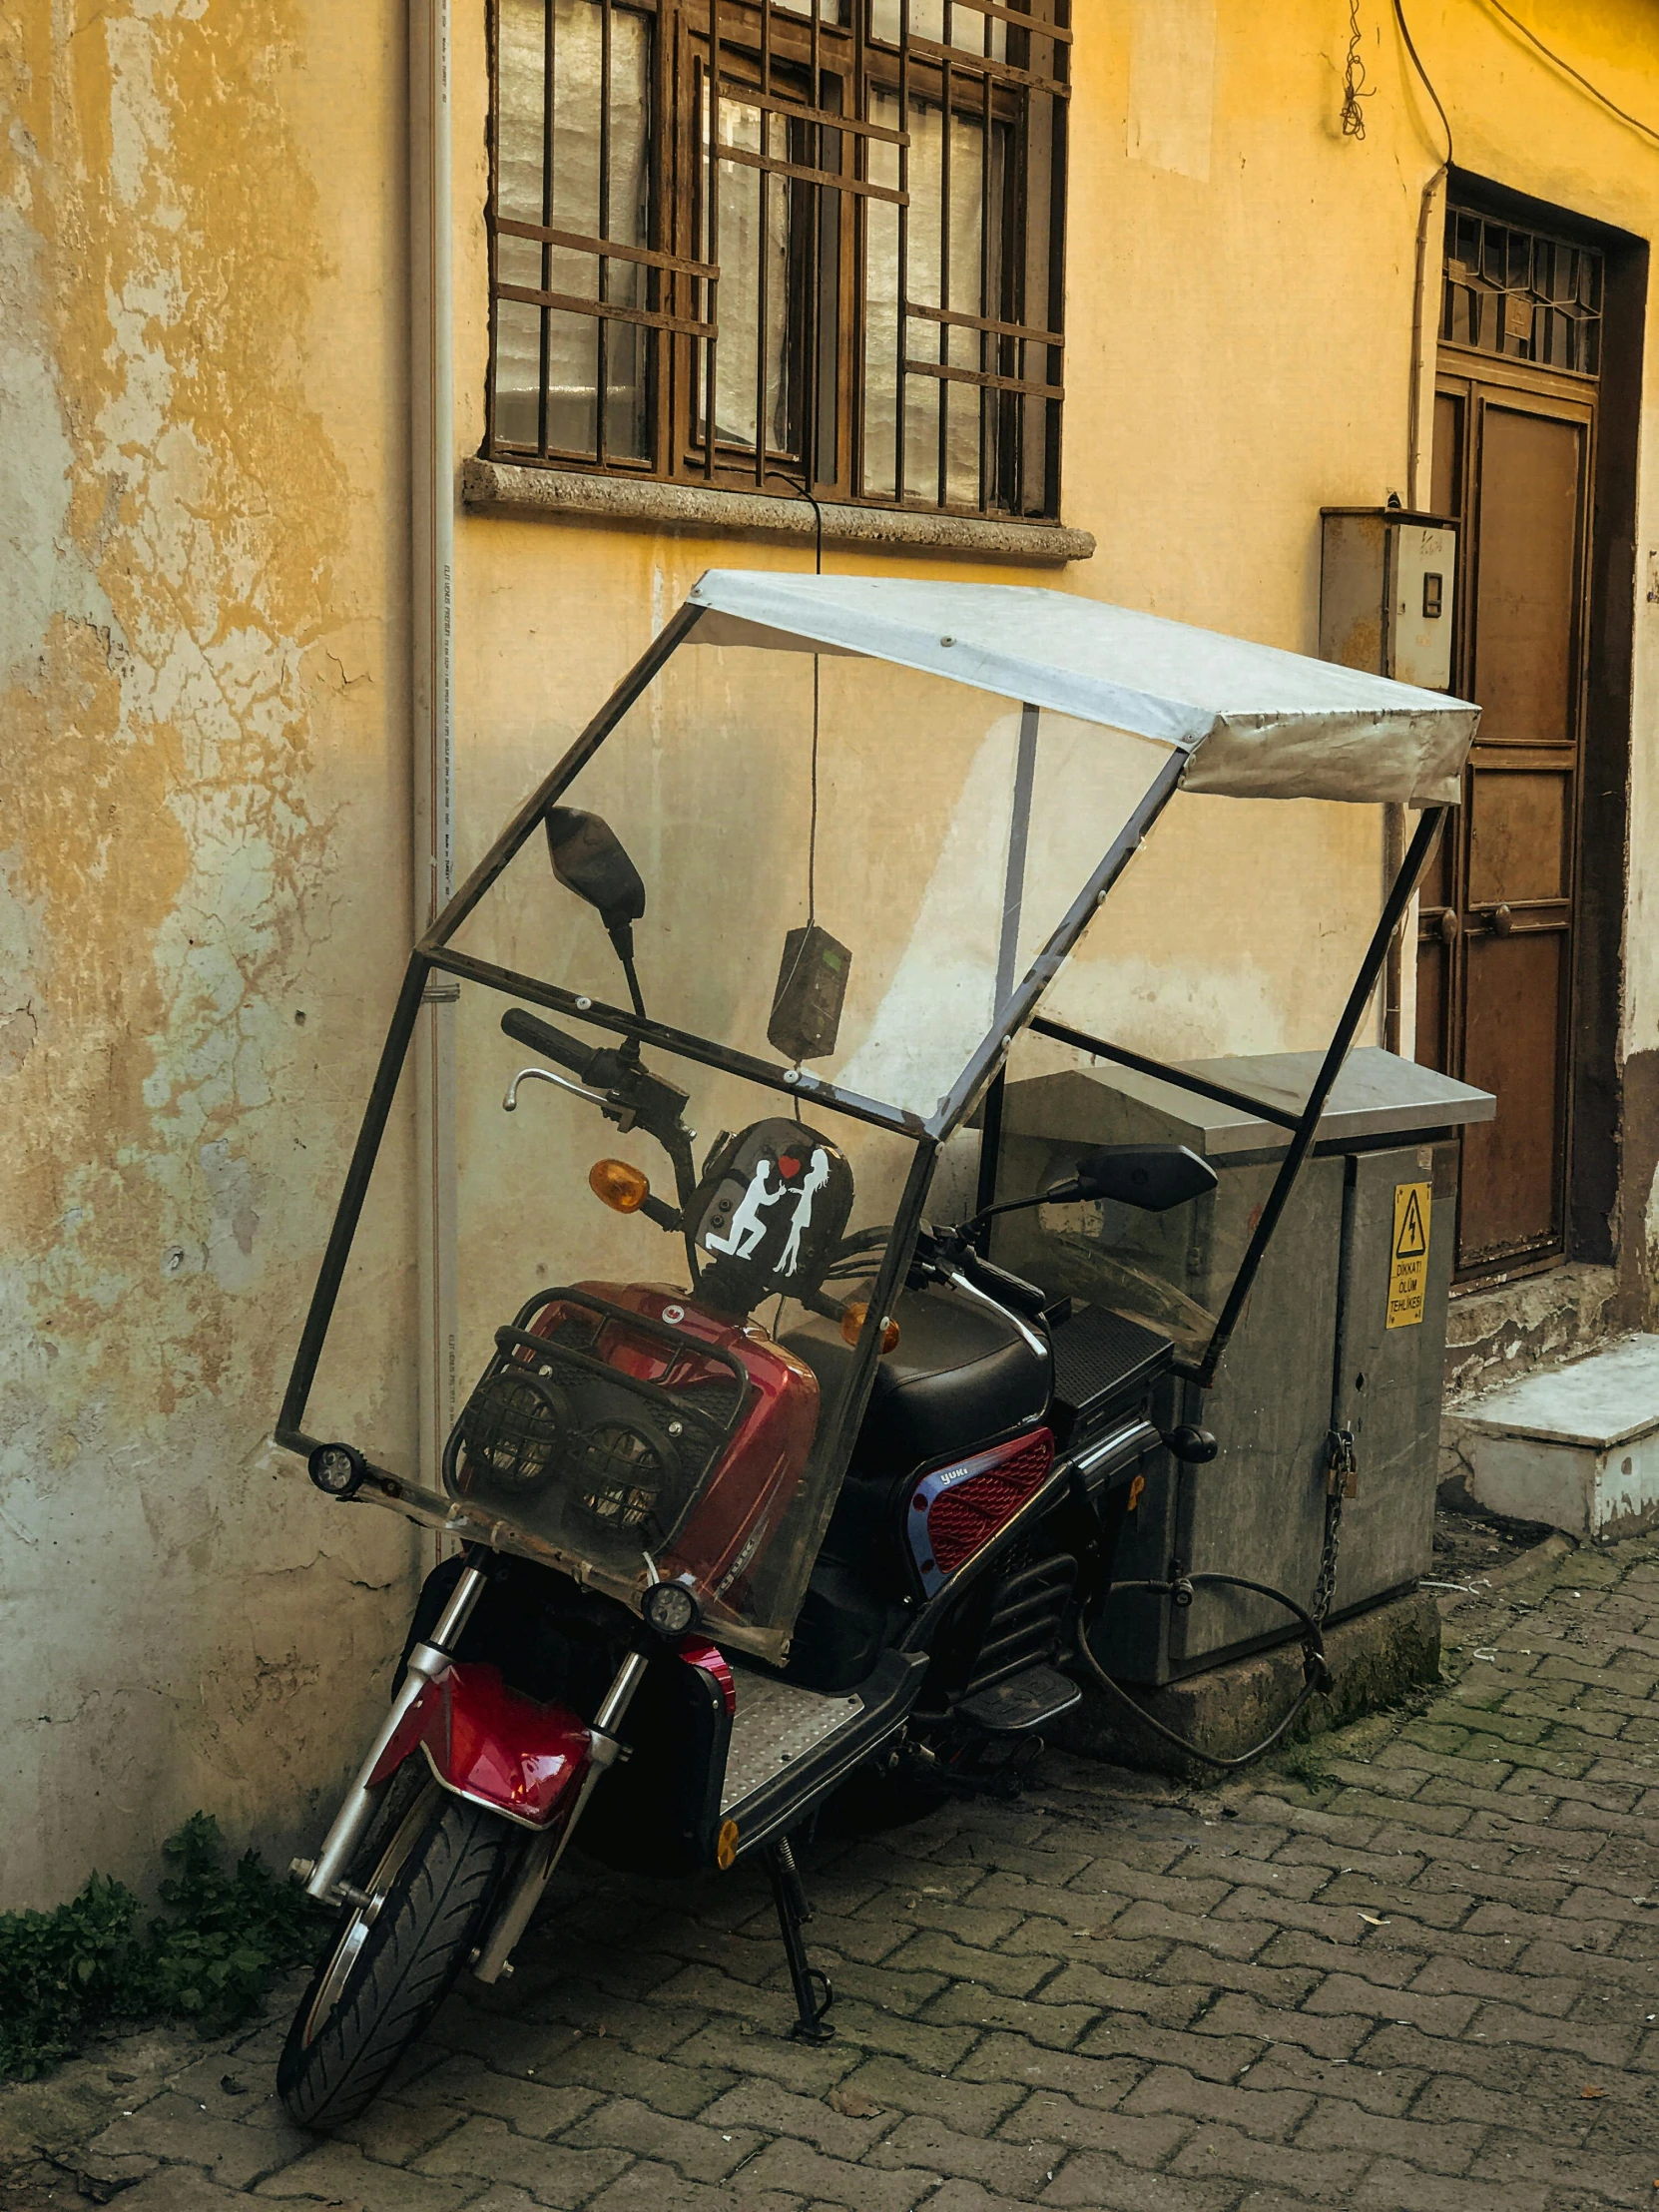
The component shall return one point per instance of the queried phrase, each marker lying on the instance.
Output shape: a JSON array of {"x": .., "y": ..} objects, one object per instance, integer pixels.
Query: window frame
[{"x": 775, "y": 52}]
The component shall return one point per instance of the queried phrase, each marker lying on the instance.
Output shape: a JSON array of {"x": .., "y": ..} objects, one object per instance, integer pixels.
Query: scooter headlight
[
  {"x": 668, "y": 1609},
  {"x": 337, "y": 1471}
]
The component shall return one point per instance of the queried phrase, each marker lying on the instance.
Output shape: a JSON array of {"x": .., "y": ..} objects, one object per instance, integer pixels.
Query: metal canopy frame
[{"x": 435, "y": 952}]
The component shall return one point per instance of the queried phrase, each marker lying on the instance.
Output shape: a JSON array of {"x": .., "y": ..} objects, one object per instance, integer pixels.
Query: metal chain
[{"x": 1338, "y": 1483}]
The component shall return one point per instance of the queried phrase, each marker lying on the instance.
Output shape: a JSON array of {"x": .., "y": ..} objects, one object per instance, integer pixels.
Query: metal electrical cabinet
[
  {"x": 1344, "y": 1327},
  {"x": 1388, "y": 580}
]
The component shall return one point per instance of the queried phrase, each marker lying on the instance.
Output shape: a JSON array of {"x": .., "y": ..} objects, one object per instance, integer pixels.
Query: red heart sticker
[{"x": 788, "y": 1168}]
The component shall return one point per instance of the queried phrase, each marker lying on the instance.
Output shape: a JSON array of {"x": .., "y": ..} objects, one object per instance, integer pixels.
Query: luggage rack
[{"x": 550, "y": 1414}]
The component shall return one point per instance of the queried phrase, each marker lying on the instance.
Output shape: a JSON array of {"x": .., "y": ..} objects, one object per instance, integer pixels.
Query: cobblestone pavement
[{"x": 1411, "y": 1970}]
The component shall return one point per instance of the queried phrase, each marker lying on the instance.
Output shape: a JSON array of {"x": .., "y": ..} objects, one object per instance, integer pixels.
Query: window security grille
[
  {"x": 1526, "y": 297},
  {"x": 759, "y": 245}
]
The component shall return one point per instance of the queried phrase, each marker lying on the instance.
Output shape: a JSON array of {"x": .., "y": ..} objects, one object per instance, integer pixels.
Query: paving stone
[
  {"x": 554, "y": 2173},
  {"x": 1142, "y": 2138},
  {"x": 789, "y": 2165},
  {"x": 341, "y": 2174},
  {"x": 1015, "y": 2165},
  {"x": 777, "y": 2111},
  {"x": 1392, "y": 2186},
  {"x": 1270, "y": 2113},
  {"x": 1097, "y": 2183},
  {"x": 180, "y": 2189},
  {"x": 174, "y": 2126},
  {"x": 648, "y": 2187},
  {"x": 702, "y": 2151},
  {"x": 971, "y": 2106},
  {"x": 968, "y": 2005},
  {"x": 1219, "y": 2151},
  {"x": 1438, "y": 2145},
  {"x": 724, "y": 2048}
]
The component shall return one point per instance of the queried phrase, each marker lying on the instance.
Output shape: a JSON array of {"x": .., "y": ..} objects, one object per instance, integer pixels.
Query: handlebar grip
[
  {"x": 551, "y": 1043},
  {"x": 997, "y": 1283}
]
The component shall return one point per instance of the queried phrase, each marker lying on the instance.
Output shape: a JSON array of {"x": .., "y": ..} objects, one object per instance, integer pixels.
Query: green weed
[{"x": 207, "y": 1956}]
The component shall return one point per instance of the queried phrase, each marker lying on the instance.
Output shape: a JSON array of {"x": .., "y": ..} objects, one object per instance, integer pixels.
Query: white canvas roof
[{"x": 1258, "y": 723}]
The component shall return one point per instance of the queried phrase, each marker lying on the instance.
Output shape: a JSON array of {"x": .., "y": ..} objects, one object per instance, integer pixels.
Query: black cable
[
  {"x": 1428, "y": 81},
  {"x": 1595, "y": 92},
  {"x": 1315, "y": 1665}
]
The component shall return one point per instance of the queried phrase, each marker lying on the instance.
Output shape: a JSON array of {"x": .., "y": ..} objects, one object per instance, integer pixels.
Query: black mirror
[
  {"x": 588, "y": 859},
  {"x": 1153, "y": 1177}
]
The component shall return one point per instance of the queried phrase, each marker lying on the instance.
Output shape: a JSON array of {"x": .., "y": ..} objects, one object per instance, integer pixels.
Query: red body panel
[
  {"x": 493, "y": 1744},
  {"x": 712, "y": 1661},
  {"x": 750, "y": 1488}
]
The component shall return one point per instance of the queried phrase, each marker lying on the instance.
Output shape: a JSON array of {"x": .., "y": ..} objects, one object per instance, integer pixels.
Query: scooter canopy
[{"x": 793, "y": 895}]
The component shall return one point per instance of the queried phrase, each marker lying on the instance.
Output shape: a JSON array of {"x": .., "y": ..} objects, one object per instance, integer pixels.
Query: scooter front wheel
[{"x": 392, "y": 1958}]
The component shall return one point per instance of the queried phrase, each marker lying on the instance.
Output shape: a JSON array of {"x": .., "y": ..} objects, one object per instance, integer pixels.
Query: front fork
[
  {"x": 324, "y": 1875},
  {"x": 541, "y": 1857}
]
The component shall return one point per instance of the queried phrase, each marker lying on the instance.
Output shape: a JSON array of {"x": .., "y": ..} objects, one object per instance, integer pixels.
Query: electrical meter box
[
  {"x": 1343, "y": 1332},
  {"x": 1388, "y": 579}
]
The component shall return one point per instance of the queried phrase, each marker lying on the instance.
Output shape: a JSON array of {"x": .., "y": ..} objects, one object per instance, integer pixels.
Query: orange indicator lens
[
  {"x": 852, "y": 1321},
  {"x": 624, "y": 1189}
]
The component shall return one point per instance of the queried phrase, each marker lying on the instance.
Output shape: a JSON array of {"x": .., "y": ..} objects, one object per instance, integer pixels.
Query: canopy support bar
[
  {"x": 291, "y": 1419},
  {"x": 1203, "y": 1372},
  {"x": 1200, "y": 1085}
]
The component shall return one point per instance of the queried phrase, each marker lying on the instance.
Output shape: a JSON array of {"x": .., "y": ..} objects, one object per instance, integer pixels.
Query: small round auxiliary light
[
  {"x": 668, "y": 1609},
  {"x": 622, "y": 1188},
  {"x": 337, "y": 1471},
  {"x": 853, "y": 1325}
]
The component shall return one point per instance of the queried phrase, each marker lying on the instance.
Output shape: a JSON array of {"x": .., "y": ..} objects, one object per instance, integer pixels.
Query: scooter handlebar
[{"x": 551, "y": 1043}]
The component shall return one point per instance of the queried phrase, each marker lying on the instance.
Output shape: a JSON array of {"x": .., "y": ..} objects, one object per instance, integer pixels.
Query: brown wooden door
[{"x": 1512, "y": 460}]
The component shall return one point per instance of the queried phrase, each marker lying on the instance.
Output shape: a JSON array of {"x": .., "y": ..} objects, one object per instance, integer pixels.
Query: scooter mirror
[
  {"x": 589, "y": 859},
  {"x": 1153, "y": 1177}
]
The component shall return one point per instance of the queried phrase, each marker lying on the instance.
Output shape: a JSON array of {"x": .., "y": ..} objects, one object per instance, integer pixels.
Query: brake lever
[{"x": 509, "y": 1104}]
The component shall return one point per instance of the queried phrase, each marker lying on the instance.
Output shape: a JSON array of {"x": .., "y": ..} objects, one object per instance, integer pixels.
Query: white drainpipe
[{"x": 432, "y": 700}]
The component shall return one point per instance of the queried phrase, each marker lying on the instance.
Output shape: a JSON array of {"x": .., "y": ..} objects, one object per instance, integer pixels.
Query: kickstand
[{"x": 813, "y": 1993}]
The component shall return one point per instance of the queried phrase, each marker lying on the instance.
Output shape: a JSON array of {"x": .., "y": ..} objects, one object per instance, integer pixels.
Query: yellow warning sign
[{"x": 1409, "y": 1267}]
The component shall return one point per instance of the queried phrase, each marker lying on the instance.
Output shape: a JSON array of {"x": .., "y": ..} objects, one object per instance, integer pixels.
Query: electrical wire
[
  {"x": 1355, "y": 78},
  {"x": 1428, "y": 81},
  {"x": 1595, "y": 92},
  {"x": 1316, "y": 1669}
]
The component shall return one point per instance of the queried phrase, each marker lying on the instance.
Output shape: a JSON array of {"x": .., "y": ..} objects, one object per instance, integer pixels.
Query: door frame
[
  {"x": 1481, "y": 381},
  {"x": 1599, "y": 1197}
]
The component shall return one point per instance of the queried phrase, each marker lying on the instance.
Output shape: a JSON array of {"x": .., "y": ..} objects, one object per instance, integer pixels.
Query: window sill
[{"x": 499, "y": 487}]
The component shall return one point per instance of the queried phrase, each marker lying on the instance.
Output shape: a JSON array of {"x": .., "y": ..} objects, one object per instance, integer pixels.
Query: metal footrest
[
  {"x": 776, "y": 1724},
  {"x": 1027, "y": 1700}
]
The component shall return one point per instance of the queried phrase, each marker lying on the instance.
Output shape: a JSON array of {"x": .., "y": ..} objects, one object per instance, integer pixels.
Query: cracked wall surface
[{"x": 200, "y": 683}]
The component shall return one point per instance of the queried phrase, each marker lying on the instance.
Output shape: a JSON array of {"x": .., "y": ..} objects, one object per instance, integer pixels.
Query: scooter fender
[{"x": 493, "y": 1746}]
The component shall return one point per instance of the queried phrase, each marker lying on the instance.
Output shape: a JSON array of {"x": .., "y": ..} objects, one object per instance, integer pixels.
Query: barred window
[
  {"x": 1528, "y": 297},
  {"x": 766, "y": 244}
]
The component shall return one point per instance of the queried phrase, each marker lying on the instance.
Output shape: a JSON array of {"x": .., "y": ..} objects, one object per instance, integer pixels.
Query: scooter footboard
[{"x": 494, "y": 1746}]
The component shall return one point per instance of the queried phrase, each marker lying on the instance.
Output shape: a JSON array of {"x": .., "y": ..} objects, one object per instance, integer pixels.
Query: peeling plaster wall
[
  {"x": 201, "y": 656},
  {"x": 203, "y": 501}
]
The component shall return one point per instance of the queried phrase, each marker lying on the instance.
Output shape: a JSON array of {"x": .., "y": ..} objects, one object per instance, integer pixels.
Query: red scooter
[
  {"x": 623, "y": 1428},
  {"x": 829, "y": 1494}
]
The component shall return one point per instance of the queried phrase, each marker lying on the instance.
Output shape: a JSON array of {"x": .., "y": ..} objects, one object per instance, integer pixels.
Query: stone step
[{"x": 1576, "y": 1446}]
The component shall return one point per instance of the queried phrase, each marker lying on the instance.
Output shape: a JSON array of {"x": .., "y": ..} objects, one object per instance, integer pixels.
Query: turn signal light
[
  {"x": 623, "y": 1189},
  {"x": 852, "y": 1323}
]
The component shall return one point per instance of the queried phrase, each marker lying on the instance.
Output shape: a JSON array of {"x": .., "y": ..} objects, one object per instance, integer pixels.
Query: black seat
[{"x": 959, "y": 1376}]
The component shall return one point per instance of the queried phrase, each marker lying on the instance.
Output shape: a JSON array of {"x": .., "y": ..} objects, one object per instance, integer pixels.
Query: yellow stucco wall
[
  {"x": 203, "y": 501},
  {"x": 202, "y": 761}
]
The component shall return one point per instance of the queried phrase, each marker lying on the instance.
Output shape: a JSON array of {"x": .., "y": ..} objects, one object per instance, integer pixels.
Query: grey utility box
[{"x": 1344, "y": 1330}]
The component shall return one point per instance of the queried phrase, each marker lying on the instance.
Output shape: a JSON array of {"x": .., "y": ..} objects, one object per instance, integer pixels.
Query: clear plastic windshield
[
  {"x": 771, "y": 920},
  {"x": 895, "y": 816}
]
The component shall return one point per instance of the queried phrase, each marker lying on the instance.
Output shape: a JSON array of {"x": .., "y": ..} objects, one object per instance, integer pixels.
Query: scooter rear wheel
[{"x": 392, "y": 1962}]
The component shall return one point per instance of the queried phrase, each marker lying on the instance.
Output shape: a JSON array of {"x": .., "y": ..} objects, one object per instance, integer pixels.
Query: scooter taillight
[{"x": 957, "y": 1509}]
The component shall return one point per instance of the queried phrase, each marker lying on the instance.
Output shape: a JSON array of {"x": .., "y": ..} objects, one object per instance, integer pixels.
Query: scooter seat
[{"x": 959, "y": 1376}]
